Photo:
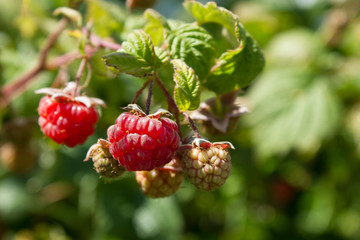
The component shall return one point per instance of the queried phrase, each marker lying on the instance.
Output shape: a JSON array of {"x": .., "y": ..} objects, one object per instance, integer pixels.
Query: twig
[
  {"x": 192, "y": 125},
  {"x": 138, "y": 92},
  {"x": 169, "y": 99},
  {"x": 148, "y": 101},
  {"x": 79, "y": 74},
  {"x": 15, "y": 87},
  {"x": 9, "y": 89},
  {"x": 88, "y": 77}
]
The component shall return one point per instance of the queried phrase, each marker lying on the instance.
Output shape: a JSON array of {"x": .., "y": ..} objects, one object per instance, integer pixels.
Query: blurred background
[{"x": 297, "y": 160}]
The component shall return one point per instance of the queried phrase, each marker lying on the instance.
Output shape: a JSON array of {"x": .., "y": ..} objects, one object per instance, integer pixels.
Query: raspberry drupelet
[
  {"x": 143, "y": 142},
  {"x": 66, "y": 119}
]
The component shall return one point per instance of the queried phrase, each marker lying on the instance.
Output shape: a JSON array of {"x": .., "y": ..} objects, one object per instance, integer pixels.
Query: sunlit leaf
[
  {"x": 187, "y": 88},
  {"x": 156, "y": 25},
  {"x": 106, "y": 17},
  {"x": 70, "y": 13},
  {"x": 214, "y": 14},
  {"x": 137, "y": 56},
  {"x": 292, "y": 110},
  {"x": 192, "y": 44},
  {"x": 236, "y": 68}
]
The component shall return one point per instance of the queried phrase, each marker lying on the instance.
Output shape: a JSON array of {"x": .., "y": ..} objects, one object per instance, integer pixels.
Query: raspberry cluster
[{"x": 148, "y": 145}]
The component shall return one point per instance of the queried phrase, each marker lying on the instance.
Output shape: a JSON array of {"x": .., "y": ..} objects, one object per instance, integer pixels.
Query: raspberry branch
[
  {"x": 192, "y": 125},
  {"x": 79, "y": 74},
  {"x": 148, "y": 101},
  {"x": 8, "y": 92},
  {"x": 173, "y": 106},
  {"x": 9, "y": 89},
  {"x": 170, "y": 100},
  {"x": 138, "y": 93}
]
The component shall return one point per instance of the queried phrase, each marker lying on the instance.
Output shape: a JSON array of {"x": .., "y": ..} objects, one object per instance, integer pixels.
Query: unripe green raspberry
[
  {"x": 207, "y": 165},
  {"x": 161, "y": 182},
  {"x": 104, "y": 163}
]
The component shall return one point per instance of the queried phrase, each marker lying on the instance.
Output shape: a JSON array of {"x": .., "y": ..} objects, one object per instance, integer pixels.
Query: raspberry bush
[
  {"x": 147, "y": 143},
  {"x": 178, "y": 80}
]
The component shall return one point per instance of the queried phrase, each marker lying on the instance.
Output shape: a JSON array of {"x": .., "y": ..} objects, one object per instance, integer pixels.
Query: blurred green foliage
[{"x": 295, "y": 167}]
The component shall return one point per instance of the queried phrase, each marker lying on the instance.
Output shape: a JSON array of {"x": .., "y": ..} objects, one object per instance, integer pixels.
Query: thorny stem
[
  {"x": 148, "y": 101},
  {"x": 138, "y": 92},
  {"x": 17, "y": 86},
  {"x": 79, "y": 74}
]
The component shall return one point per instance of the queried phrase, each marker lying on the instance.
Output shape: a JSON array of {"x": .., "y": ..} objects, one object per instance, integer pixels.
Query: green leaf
[
  {"x": 137, "y": 57},
  {"x": 162, "y": 54},
  {"x": 211, "y": 13},
  {"x": 187, "y": 88},
  {"x": 236, "y": 68},
  {"x": 122, "y": 62},
  {"x": 192, "y": 44},
  {"x": 292, "y": 110},
  {"x": 107, "y": 17},
  {"x": 156, "y": 26},
  {"x": 70, "y": 13}
]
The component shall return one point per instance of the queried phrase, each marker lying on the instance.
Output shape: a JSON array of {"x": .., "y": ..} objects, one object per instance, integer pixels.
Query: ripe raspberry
[
  {"x": 142, "y": 143},
  {"x": 67, "y": 119},
  {"x": 207, "y": 165},
  {"x": 104, "y": 163},
  {"x": 161, "y": 182}
]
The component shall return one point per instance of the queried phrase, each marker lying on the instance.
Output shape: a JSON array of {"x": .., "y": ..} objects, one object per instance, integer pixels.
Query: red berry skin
[
  {"x": 66, "y": 121},
  {"x": 142, "y": 143}
]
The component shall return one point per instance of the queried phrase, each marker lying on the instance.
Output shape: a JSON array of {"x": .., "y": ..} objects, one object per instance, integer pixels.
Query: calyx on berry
[
  {"x": 66, "y": 117},
  {"x": 104, "y": 163},
  {"x": 71, "y": 93},
  {"x": 143, "y": 142},
  {"x": 206, "y": 164},
  {"x": 219, "y": 116}
]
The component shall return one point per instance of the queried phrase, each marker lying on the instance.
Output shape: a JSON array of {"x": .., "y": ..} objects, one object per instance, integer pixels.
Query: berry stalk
[
  {"x": 170, "y": 100},
  {"x": 79, "y": 74},
  {"x": 138, "y": 93},
  {"x": 173, "y": 106},
  {"x": 148, "y": 101}
]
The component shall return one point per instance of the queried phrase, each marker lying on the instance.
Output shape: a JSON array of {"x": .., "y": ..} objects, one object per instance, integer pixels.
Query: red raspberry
[
  {"x": 207, "y": 165},
  {"x": 161, "y": 182},
  {"x": 142, "y": 143},
  {"x": 66, "y": 119}
]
